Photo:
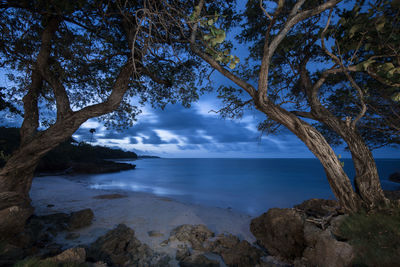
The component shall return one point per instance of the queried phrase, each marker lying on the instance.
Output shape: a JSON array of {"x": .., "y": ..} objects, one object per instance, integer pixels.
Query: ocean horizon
[{"x": 247, "y": 185}]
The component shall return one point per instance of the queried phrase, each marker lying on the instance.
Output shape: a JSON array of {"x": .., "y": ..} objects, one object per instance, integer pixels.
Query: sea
[{"x": 249, "y": 186}]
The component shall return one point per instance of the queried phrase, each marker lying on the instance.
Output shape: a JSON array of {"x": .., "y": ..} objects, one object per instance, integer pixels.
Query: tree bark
[
  {"x": 366, "y": 181},
  {"x": 315, "y": 141},
  {"x": 16, "y": 176}
]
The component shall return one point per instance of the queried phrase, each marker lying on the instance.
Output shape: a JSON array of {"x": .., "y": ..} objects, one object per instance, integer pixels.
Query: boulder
[
  {"x": 120, "y": 247},
  {"x": 72, "y": 255},
  {"x": 196, "y": 235},
  {"x": 9, "y": 254},
  {"x": 329, "y": 252},
  {"x": 72, "y": 236},
  {"x": 318, "y": 207},
  {"x": 235, "y": 252},
  {"x": 14, "y": 211},
  {"x": 80, "y": 219},
  {"x": 109, "y": 196},
  {"x": 198, "y": 261},
  {"x": 155, "y": 234},
  {"x": 280, "y": 231},
  {"x": 395, "y": 177}
]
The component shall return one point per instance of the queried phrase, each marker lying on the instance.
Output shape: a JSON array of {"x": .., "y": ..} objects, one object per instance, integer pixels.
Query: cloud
[{"x": 193, "y": 132}]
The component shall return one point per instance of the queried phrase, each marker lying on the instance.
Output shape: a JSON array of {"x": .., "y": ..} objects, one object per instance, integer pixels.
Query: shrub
[{"x": 374, "y": 236}]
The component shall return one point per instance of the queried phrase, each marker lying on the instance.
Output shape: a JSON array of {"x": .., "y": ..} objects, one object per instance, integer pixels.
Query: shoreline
[{"x": 143, "y": 212}]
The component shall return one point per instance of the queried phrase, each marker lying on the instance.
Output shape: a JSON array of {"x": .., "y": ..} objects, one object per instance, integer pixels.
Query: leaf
[
  {"x": 387, "y": 66},
  {"x": 210, "y": 22},
  {"x": 353, "y": 30},
  {"x": 380, "y": 26},
  {"x": 207, "y": 37},
  {"x": 393, "y": 71},
  {"x": 367, "y": 63},
  {"x": 220, "y": 37},
  {"x": 232, "y": 65},
  {"x": 396, "y": 97}
]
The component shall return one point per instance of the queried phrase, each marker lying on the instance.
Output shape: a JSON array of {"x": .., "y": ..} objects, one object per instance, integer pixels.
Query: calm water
[{"x": 246, "y": 185}]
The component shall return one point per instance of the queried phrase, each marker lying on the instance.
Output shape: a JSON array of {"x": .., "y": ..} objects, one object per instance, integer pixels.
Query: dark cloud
[{"x": 187, "y": 124}]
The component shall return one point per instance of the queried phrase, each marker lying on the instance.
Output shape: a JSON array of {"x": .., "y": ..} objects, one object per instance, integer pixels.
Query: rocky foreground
[{"x": 306, "y": 235}]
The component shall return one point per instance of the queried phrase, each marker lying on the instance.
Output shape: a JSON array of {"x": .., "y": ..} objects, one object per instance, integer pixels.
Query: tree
[
  {"x": 92, "y": 131},
  {"x": 81, "y": 59},
  {"x": 286, "y": 40}
]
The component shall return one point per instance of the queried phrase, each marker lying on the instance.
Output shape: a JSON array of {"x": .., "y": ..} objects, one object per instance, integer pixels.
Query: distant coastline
[{"x": 147, "y": 157}]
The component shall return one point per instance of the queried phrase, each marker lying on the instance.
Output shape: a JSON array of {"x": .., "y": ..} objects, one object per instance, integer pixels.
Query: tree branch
[
  {"x": 62, "y": 99},
  {"x": 338, "y": 61},
  {"x": 269, "y": 51},
  {"x": 31, "y": 111},
  {"x": 214, "y": 64},
  {"x": 119, "y": 89}
]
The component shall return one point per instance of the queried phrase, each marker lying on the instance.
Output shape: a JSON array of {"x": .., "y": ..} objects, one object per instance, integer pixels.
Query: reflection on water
[
  {"x": 135, "y": 187},
  {"x": 247, "y": 185}
]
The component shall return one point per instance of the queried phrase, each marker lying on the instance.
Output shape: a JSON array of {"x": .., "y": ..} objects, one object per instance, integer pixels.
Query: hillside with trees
[{"x": 69, "y": 156}]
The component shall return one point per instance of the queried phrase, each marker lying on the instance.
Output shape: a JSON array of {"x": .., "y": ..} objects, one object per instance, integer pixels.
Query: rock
[
  {"x": 80, "y": 219},
  {"x": 72, "y": 255},
  {"x": 155, "y": 234},
  {"x": 194, "y": 234},
  {"x": 52, "y": 249},
  {"x": 328, "y": 252},
  {"x": 109, "y": 196},
  {"x": 335, "y": 227},
  {"x": 182, "y": 253},
  {"x": 71, "y": 236},
  {"x": 280, "y": 231},
  {"x": 9, "y": 254},
  {"x": 164, "y": 243},
  {"x": 99, "y": 264},
  {"x": 235, "y": 252},
  {"x": 120, "y": 247},
  {"x": 14, "y": 212},
  {"x": 52, "y": 223},
  {"x": 395, "y": 177},
  {"x": 198, "y": 261},
  {"x": 311, "y": 233},
  {"x": 318, "y": 207}
]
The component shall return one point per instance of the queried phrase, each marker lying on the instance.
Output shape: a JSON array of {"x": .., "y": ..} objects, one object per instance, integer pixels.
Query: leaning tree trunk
[
  {"x": 15, "y": 182},
  {"x": 17, "y": 175},
  {"x": 366, "y": 181},
  {"x": 315, "y": 141}
]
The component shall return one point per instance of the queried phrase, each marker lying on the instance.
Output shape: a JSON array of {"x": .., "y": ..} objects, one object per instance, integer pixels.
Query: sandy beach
[{"x": 141, "y": 211}]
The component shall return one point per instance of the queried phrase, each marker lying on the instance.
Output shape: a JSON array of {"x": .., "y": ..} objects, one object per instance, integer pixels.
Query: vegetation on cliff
[{"x": 81, "y": 157}]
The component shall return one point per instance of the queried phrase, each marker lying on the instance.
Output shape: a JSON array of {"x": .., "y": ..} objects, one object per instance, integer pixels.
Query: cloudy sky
[{"x": 197, "y": 132}]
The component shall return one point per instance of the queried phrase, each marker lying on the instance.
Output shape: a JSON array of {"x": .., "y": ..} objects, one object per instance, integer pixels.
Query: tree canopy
[{"x": 92, "y": 42}]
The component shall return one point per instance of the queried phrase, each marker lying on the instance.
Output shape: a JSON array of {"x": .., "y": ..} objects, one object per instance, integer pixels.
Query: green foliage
[
  {"x": 375, "y": 237},
  {"x": 372, "y": 31},
  {"x": 35, "y": 262},
  {"x": 214, "y": 37}
]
